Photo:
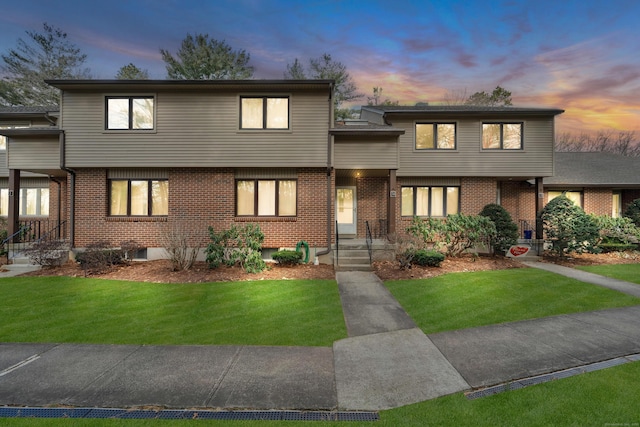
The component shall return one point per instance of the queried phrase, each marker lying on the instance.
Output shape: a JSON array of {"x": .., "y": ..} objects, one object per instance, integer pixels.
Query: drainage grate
[
  {"x": 20, "y": 412},
  {"x": 525, "y": 382}
]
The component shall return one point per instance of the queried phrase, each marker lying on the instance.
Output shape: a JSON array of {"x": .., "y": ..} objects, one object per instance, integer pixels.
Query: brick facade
[
  {"x": 519, "y": 199},
  {"x": 597, "y": 201},
  {"x": 199, "y": 198},
  {"x": 476, "y": 193},
  {"x": 372, "y": 205}
]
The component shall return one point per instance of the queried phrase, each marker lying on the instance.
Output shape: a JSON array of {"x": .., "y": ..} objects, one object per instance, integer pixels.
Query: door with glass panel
[{"x": 346, "y": 210}]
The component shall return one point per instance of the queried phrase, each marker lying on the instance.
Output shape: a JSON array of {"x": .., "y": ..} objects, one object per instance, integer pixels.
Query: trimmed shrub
[
  {"x": 428, "y": 258},
  {"x": 506, "y": 230},
  {"x": 617, "y": 247},
  {"x": 633, "y": 212},
  {"x": 568, "y": 228},
  {"x": 286, "y": 257},
  {"x": 99, "y": 256}
]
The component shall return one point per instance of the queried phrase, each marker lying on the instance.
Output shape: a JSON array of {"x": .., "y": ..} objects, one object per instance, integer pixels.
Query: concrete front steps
[{"x": 353, "y": 254}]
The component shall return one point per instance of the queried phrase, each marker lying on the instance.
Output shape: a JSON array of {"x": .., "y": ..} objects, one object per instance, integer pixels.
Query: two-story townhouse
[
  {"x": 144, "y": 157},
  {"x": 457, "y": 159},
  {"x": 134, "y": 159}
]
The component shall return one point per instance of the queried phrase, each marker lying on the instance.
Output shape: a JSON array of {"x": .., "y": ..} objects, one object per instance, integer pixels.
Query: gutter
[
  {"x": 72, "y": 190},
  {"x": 329, "y": 169}
]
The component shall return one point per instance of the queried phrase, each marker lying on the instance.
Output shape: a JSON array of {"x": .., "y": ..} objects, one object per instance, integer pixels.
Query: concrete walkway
[
  {"x": 385, "y": 362},
  {"x": 584, "y": 276}
]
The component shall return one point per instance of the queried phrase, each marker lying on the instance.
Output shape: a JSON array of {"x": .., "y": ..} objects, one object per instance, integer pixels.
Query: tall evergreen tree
[
  {"x": 325, "y": 67},
  {"x": 46, "y": 55},
  {"x": 201, "y": 58},
  {"x": 499, "y": 97},
  {"x": 131, "y": 72}
]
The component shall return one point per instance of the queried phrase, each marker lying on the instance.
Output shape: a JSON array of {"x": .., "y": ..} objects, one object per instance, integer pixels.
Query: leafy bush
[
  {"x": 286, "y": 257},
  {"x": 405, "y": 246},
  {"x": 506, "y": 230},
  {"x": 633, "y": 212},
  {"x": 428, "y": 258},
  {"x": 456, "y": 233},
  {"x": 47, "y": 252},
  {"x": 568, "y": 228},
  {"x": 237, "y": 245},
  {"x": 616, "y": 230}
]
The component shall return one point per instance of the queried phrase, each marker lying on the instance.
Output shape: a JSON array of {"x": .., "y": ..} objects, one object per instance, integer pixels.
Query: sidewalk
[{"x": 385, "y": 362}]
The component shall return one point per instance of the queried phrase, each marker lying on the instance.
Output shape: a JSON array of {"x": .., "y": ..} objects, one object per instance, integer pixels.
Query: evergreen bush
[
  {"x": 428, "y": 258},
  {"x": 568, "y": 227},
  {"x": 633, "y": 212},
  {"x": 506, "y": 230},
  {"x": 286, "y": 257}
]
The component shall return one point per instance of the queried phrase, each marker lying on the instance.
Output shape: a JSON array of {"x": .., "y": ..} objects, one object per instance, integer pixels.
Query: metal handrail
[
  {"x": 57, "y": 229},
  {"x": 369, "y": 241},
  {"x": 8, "y": 239},
  {"x": 337, "y": 245}
]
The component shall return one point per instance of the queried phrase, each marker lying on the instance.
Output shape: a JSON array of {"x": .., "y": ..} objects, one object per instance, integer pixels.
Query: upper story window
[
  {"x": 502, "y": 136},
  {"x": 435, "y": 136},
  {"x": 33, "y": 201},
  {"x": 430, "y": 201},
  {"x": 129, "y": 112},
  {"x": 264, "y": 112},
  {"x": 3, "y": 139},
  {"x": 134, "y": 197},
  {"x": 266, "y": 197}
]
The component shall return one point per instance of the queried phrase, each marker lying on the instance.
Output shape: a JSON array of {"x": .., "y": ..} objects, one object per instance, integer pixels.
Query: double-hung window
[
  {"x": 264, "y": 112},
  {"x": 430, "y": 201},
  {"x": 435, "y": 136},
  {"x": 266, "y": 197},
  {"x": 129, "y": 112},
  {"x": 502, "y": 136},
  {"x": 134, "y": 197}
]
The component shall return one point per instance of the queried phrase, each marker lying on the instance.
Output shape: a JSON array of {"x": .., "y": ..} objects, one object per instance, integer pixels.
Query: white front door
[{"x": 346, "y": 210}]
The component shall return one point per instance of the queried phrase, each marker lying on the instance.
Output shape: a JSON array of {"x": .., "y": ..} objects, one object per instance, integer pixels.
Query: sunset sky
[{"x": 582, "y": 56}]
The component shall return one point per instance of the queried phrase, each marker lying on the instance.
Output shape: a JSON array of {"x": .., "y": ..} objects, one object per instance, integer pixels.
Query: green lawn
[
  {"x": 79, "y": 310},
  {"x": 464, "y": 300},
  {"x": 628, "y": 272},
  {"x": 608, "y": 397}
]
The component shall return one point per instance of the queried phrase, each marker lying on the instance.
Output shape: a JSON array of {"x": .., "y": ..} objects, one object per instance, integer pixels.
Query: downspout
[
  {"x": 329, "y": 168},
  {"x": 72, "y": 190},
  {"x": 57, "y": 181}
]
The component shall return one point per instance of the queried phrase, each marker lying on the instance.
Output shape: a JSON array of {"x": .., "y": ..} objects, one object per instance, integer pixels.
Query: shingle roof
[
  {"x": 30, "y": 110},
  {"x": 591, "y": 169},
  {"x": 461, "y": 109}
]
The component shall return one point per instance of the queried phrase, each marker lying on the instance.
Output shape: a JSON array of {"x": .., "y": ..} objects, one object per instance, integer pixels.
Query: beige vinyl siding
[
  {"x": 27, "y": 182},
  {"x": 35, "y": 154},
  {"x": 196, "y": 129},
  {"x": 365, "y": 154},
  {"x": 469, "y": 159}
]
